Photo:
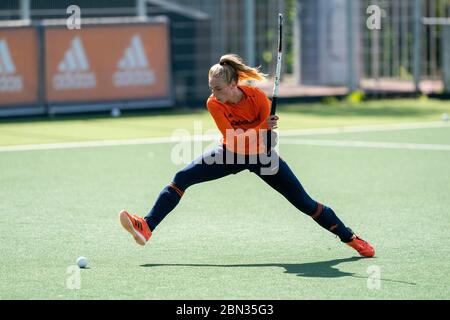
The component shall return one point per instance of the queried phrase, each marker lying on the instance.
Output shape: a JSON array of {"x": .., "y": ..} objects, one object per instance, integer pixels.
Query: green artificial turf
[
  {"x": 233, "y": 238},
  {"x": 163, "y": 123}
]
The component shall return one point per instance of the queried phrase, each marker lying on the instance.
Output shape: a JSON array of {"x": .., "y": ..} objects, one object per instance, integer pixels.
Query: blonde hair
[{"x": 231, "y": 68}]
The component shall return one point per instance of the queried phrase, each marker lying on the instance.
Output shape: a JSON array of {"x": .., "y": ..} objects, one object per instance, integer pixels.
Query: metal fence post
[
  {"x": 25, "y": 9},
  {"x": 141, "y": 8},
  {"x": 297, "y": 44},
  {"x": 446, "y": 57},
  {"x": 417, "y": 40},
  {"x": 351, "y": 84},
  {"x": 250, "y": 32}
]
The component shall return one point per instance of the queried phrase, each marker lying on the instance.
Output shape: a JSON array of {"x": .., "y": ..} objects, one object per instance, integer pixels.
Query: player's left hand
[{"x": 272, "y": 122}]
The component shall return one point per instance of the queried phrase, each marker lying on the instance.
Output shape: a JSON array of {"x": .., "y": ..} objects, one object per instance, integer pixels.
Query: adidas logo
[
  {"x": 133, "y": 67},
  {"x": 9, "y": 82},
  {"x": 73, "y": 70}
]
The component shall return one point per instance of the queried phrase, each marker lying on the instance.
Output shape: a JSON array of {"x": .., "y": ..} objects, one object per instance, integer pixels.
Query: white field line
[
  {"x": 368, "y": 128},
  {"x": 369, "y": 144},
  {"x": 106, "y": 143},
  {"x": 174, "y": 139}
]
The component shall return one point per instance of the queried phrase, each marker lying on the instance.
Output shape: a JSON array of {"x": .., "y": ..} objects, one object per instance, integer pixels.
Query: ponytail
[{"x": 231, "y": 68}]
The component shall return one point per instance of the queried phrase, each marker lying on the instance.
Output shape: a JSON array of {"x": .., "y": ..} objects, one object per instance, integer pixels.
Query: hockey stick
[{"x": 273, "y": 107}]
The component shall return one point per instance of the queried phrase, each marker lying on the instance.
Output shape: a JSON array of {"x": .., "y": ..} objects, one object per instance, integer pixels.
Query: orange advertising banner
[
  {"x": 107, "y": 62},
  {"x": 19, "y": 66}
]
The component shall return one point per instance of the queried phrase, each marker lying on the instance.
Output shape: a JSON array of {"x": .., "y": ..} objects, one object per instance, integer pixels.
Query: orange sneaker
[
  {"x": 135, "y": 225},
  {"x": 363, "y": 247}
]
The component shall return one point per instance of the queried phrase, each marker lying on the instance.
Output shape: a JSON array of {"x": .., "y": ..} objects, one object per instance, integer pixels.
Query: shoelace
[{"x": 137, "y": 223}]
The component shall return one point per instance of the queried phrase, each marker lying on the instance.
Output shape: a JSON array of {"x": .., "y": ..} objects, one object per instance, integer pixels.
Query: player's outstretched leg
[
  {"x": 286, "y": 183},
  {"x": 204, "y": 168},
  {"x": 209, "y": 166},
  {"x": 136, "y": 226}
]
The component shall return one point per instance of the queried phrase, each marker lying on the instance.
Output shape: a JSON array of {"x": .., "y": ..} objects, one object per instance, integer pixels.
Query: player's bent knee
[
  {"x": 183, "y": 180},
  {"x": 178, "y": 190}
]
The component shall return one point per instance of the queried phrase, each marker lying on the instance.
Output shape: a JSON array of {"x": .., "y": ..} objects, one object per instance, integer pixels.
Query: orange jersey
[{"x": 242, "y": 124}]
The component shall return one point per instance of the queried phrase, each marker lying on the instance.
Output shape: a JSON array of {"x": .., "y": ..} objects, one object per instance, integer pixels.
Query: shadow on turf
[{"x": 320, "y": 269}]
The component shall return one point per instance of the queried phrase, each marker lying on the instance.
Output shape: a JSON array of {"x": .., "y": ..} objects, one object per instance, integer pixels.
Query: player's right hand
[{"x": 272, "y": 122}]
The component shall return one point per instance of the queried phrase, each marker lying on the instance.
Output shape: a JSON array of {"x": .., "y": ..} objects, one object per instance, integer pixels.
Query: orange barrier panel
[
  {"x": 19, "y": 67},
  {"x": 107, "y": 62}
]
